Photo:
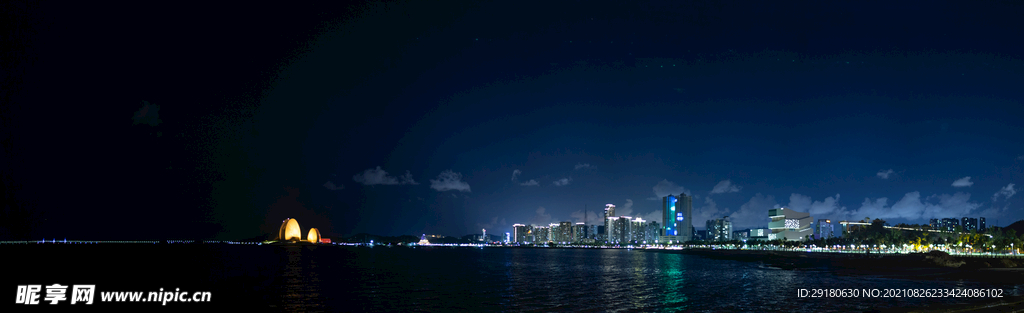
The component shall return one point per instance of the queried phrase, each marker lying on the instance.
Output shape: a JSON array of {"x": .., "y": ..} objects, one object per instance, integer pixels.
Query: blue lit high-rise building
[{"x": 677, "y": 214}]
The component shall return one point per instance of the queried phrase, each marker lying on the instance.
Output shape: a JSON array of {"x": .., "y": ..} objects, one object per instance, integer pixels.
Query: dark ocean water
[{"x": 381, "y": 279}]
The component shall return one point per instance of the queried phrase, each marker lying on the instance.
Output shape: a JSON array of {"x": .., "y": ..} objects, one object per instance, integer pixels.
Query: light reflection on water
[{"x": 594, "y": 280}]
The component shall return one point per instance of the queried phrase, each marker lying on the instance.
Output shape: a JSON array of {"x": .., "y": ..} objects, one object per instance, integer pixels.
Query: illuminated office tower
[
  {"x": 579, "y": 231},
  {"x": 565, "y": 228},
  {"x": 719, "y": 229},
  {"x": 555, "y": 230},
  {"x": 638, "y": 230},
  {"x": 609, "y": 212},
  {"x": 677, "y": 214},
  {"x": 542, "y": 233},
  {"x": 823, "y": 229},
  {"x": 519, "y": 233},
  {"x": 614, "y": 232}
]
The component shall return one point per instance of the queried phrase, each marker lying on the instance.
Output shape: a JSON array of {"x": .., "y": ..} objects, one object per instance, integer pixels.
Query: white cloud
[
  {"x": 591, "y": 217},
  {"x": 754, "y": 213},
  {"x": 407, "y": 179},
  {"x": 884, "y": 174},
  {"x": 963, "y": 182},
  {"x": 1006, "y": 192},
  {"x": 665, "y": 188},
  {"x": 724, "y": 187},
  {"x": 562, "y": 182},
  {"x": 331, "y": 186},
  {"x": 494, "y": 223},
  {"x": 710, "y": 210},
  {"x": 582, "y": 166},
  {"x": 449, "y": 180},
  {"x": 515, "y": 174},
  {"x": 912, "y": 208},
  {"x": 530, "y": 183},
  {"x": 828, "y": 208},
  {"x": 625, "y": 209},
  {"x": 541, "y": 217},
  {"x": 375, "y": 177}
]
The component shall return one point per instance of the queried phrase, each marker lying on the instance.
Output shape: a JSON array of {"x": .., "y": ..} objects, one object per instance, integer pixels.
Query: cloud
[
  {"x": 515, "y": 174},
  {"x": 1020, "y": 157},
  {"x": 665, "y": 188},
  {"x": 828, "y": 208},
  {"x": 331, "y": 186},
  {"x": 582, "y": 166},
  {"x": 1006, "y": 192},
  {"x": 541, "y": 217},
  {"x": 625, "y": 209},
  {"x": 754, "y": 213},
  {"x": 963, "y": 182},
  {"x": 911, "y": 207},
  {"x": 449, "y": 180},
  {"x": 148, "y": 114},
  {"x": 724, "y": 187},
  {"x": 884, "y": 174},
  {"x": 562, "y": 182},
  {"x": 407, "y": 179},
  {"x": 530, "y": 183},
  {"x": 374, "y": 177},
  {"x": 495, "y": 222},
  {"x": 591, "y": 217},
  {"x": 710, "y": 210}
]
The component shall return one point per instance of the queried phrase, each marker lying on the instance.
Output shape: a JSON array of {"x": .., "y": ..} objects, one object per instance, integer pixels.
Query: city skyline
[{"x": 411, "y": 118}]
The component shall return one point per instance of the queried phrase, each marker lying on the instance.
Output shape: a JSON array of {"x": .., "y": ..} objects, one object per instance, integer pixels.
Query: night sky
[{"x": 149, "y": 121}]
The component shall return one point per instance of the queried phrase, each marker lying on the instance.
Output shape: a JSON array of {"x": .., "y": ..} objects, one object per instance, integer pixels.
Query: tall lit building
[
  {"x": 579, "y": 231},
  {"x": 614, "y": 229},
  {"x": 677, "y": 214},
  {"x": 652, "y": 232},
  {"x": 519, "y": 233},
  {"x": 969, "y": 223},
  {"x": 638, "y": 230},
  {"x": 789, "y": 225},
  {"x": 609, "y": 211},
  {"x": 824, "y": 229},
  {"x": 981, "y": 224},
  {"x": 508, "y": 238},
  {"x": 719, "y": 229},
  {"x": 567, "y": 234},
  {"x": 542, "y": 233}
]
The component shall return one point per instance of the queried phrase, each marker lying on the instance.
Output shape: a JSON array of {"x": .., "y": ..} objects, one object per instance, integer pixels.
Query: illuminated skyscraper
[
  {"x": 519, "y": 233},
  {"x": 677, "y": 214},
  {"x": 609, "y": 211},
  {"x": 719, "y": 229}
]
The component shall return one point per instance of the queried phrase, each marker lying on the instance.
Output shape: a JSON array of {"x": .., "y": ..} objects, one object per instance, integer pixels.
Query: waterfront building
[
  {"x": 519, "y": 233},
  {"x": 566, "y": 230},
  {"x": 741, "y": 234},
  {"x": 637, "y": 230},
  {"x": 508, "y": 238},
  {"x": 949, "y": 224},
  {"x": 719, "y": 229},
  {"x": 677, "y": 214},
  {"x": 824, "y": 229},
  {"x": 543, "y": 233},
  {"x": 969, "y": 223},
  {"x": 652, "y": 232},
  {"x": 789, "y": 225},
  {"x": 579, "y": 231},
  {"x": 760, "y": 234},
  {"x": 609, "y": 211},
  {"x": 615, "y": 229}
]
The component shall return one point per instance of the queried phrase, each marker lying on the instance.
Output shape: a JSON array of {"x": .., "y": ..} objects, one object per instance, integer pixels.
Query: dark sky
[{"x": 152, "y": 121}]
